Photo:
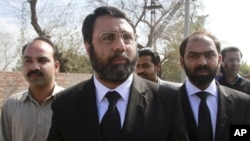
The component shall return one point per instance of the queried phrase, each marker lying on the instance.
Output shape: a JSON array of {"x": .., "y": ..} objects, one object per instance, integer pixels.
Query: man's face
[
  {"x": 113, "y": 50},
  {"x": 145, "y": 68},
  {"x": 232, "y": 63},
  {"x": 201, "y": 61},
  {"x": 38, "y": 65}
]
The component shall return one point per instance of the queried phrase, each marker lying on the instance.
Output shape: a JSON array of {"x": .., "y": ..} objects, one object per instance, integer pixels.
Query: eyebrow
[
  {"x": 206, "y": 52},
  {"x": 40, "y": 57}
]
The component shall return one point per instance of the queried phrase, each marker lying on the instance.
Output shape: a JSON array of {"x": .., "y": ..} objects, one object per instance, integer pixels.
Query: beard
[
  {"x": 112, "y": 72},
  {"x": 200, "y": 80}
]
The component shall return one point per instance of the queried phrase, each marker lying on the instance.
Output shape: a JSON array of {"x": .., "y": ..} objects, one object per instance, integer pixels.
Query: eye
[
  {"x": 126, "y": 37},
  {"x": 209, "y": 55},
  {"x": 194, "y": 56},
  {"x": 26, "y": 60},
  {"x": 108, "y": 37}
]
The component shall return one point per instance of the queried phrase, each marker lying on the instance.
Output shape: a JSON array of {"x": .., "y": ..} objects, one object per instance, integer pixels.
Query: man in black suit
[
  {"x": 200, "y": 59},
  {"x": 133, "y": 110}
]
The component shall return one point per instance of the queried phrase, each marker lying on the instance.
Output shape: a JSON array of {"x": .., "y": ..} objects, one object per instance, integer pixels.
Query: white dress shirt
[
  {"x": 212, "y": 101},
  {"x": 102, "y": 102}
]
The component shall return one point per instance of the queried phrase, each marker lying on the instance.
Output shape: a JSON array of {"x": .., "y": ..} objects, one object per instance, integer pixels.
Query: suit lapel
[
  {"x": 225, "y": 106},
  {"x": 88, "y": 111},
  {"x": 189, "y": 116},
  {"x": 135, "y": 109}
]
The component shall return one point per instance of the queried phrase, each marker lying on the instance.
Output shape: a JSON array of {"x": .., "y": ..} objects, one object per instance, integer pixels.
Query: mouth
[
  {"x": 119, "y": 60},
  {"x": 142, "y": 75},
  {"x": 202, "y": 72},
  {"x": 34, "y": 76}
]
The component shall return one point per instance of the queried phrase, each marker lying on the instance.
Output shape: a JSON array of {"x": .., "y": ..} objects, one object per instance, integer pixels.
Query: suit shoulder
[
  {"x": 233, "y": 93},
  {"x": 170, "y": 84},
  {"x": 73, "y": 91},
  {"x": 168, "y": 92}
]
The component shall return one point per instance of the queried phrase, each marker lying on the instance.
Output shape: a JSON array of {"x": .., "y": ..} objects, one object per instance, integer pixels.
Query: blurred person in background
[
  {"x": 230, "y": 67},
  {"x": 149, "y": 66},
  {"x": 26, "y": 116}
]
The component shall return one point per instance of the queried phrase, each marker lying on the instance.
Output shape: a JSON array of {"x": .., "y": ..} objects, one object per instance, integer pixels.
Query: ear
[
  {"x": 158, "y": 67},
  {"x": 220, "y": 62},
  {"x": 57, "y": 66},
  {"x": 87, "y": 47},
  {"x": 182, "y": 62}
]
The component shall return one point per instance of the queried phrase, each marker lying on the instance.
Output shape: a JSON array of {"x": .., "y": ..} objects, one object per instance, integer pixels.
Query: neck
[
  {"x": 109, "y": 84},
  {"x": 156, "y": 80},
  {"x": 230, "y": 78},
  {"x": 40, "y": 94}
]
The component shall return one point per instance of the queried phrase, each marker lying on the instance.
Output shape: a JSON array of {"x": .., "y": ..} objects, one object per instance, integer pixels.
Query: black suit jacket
[
  {"x": 153, "y": 114},
  {"x": 233, "y": 108}
]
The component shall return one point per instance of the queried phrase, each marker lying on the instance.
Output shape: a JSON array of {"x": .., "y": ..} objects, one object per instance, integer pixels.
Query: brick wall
[{"x": 13, "y": 82}]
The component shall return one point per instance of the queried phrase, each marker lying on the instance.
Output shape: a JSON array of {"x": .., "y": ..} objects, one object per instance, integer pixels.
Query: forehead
[
  {"x": 200, "y": 44},
  {"x": 38, "y": 48},
  {"x": 144, "y": 59},
  {"x": 230, "y": 54},
  {"x": 108, "y": 23}
]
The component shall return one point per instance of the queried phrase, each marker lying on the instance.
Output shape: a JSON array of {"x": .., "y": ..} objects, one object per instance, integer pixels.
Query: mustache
[
  {"x": 118, "y": 55},
  {"x": 35, "y": 72},
  {"x": 199, "y": 68},
  {"x": 142, "y": 74}
]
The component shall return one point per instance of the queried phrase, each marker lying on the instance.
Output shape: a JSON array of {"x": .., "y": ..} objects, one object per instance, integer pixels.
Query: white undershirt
[
  {"x": 212, "y": 101},
  {"x": 102, "y": 102}
]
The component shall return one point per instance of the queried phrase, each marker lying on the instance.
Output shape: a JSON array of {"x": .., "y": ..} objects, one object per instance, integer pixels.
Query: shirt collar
[
  {"x": 27, "y": 93},
  {"x": 192, "y": 89},
  {"x": 122, "y": 89}
]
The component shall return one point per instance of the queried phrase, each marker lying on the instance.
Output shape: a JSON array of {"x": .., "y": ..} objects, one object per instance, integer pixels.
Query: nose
[
  {"x": 119, "y": 45},
  {"x": 34, "y": 66},
  {"x": 235, "y": 63},
  {"x": 139, "y": 69},
  {"x": 202, "y": 60}
]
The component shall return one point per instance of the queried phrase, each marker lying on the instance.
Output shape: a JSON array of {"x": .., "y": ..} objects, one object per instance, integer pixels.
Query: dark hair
[
  {"x": 198, "y": 36},
  {"x": 155, "y": 57},
  {"x": 88, "y": 23},
  {"x": 47, "y": 40},
  {"x": 229, "y": 49}
]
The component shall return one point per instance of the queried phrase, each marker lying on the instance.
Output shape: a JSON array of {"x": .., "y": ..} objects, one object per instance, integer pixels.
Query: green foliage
[
  {"x": 74, "y": 62},
  {"x": 244, "y": 70},
  {"x": 173, "y": 35},
  {"x": 171, "y": 69},
  {"x": 73, "y": 57}
]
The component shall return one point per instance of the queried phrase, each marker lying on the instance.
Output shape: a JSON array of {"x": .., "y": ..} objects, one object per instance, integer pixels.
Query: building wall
[{"x": 13, "y": 82}]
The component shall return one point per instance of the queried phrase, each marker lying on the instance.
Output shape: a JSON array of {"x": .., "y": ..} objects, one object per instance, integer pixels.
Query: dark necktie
[
  {"x": 204, "y": 120},
  {"x": 111, "y": 123}
]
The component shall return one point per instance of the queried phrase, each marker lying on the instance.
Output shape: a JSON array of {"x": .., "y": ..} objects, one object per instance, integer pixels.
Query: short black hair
[
  {"x": 155, "y": 57},
  {"x": 196, "y": 36},
  {"x": 88, "y": 23},
  {"x": 47, "y": 40},
  {"x": 229, "y": 49}
]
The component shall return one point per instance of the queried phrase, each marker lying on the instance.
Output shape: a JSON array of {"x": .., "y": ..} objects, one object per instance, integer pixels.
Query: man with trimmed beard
[
  {"x": 209, "y": 107},
  {"x": 26, "y": 116},
  {"x": 115, "y": 104}
]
